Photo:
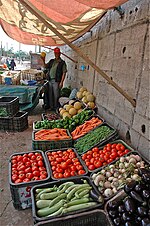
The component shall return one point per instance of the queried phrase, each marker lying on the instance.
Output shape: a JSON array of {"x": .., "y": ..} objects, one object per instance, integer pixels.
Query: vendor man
[{"x": 56, "y": 72}]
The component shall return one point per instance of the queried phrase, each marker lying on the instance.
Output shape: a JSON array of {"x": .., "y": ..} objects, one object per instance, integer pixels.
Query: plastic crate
[
  {"x": 45, "y": 145},
  {"x": 6, "y": 124},
  {"x": 113, "y": 136},
  {"x": 20, "y": 121},
  {"x": 64, "y": 149},
  {"x": 10, "y": 105},
  {"x": 21, "y": 195},
  {"x": 90, "y": 218},
  {"x": 147, "y": 163},
  {"x": 77, "y": 180},
  {"x": 101, "y": 147}
]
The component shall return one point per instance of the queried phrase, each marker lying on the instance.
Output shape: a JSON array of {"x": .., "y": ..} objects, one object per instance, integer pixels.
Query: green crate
[{"x": 45, "y": 145}]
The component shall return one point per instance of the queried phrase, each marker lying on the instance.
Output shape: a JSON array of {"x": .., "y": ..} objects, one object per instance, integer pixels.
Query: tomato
[
  {"x": 14, "y": 157},
  {"x": 91, "y": 167},
  {"x": 33, "y": 157},
  {"x": 109, "y": 160},
  {"x": 92, "y": 160},
  {"x": 35, "y": 168},
  {"x": 53, "y": 163},
  {"x": 95, "y": 149},
  {"x": 19, "y": 158},
  {"x": 27, "y": 164},
  {"x": 42, "y": 177},
  {"x": 68, "y": 161},
  {"x": 35, "y": 178},
  {"x": 59, "y": 170},
  {"x": 51, "y": 158},
  {"x": 80, "y": 172},
  {"x": 126, "y": 151},
  {"x": 42, "y": 168},
  {"x": 14, "y": 172},
  {"x": 60, "y": 175},
  {"x": 98, "y": 164},
  {"x": 79, "y": 167},
  {"x": 29, "y": 175},
  {"x": 113, "y": 145},
  {"x": 22, "y": 176},
  {"x": 21, "y": 167},
  {"x": 25, "y": 159},
  {"x": 39, "y": 157},
  {"x": 14, "y": 177},
  {"x": 76, "y": 163},
  {"x": 43, "y": 173},
  {"x": 26, "y": 180},
  {"x": 73, "y": 173},
  {"x": 18, "y": 181},
  {"x": 114, "y": 155},
  {"x": 73, "y": 168},
  {"x": 122, "y": 147},
  {"x": 36, "y": 173},
  {"x": 21, "y": 172},
  {"x": 63, "y": 165},
  {"x": 89, "y": 152},
  {"x": 14, "y": 166},
  {"x": 59, "y": 159},
  {"x": 14, "y": 161},
  {"x": 30, "y": 154},
  {"x": 37, "y": 154},
  {"x": 28, "y": 170},
  {"x": 55, "y": 175},
  {"x": 34, "y": 164},
  {"x": 67, "y": 174},
  {"x": 40, "y": 163},
  {"x": 69, "y": 150},
  {"x": 84, "y": 156}
]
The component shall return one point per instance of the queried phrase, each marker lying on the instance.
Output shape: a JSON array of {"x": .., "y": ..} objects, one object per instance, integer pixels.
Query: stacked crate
[{"x": 11, "y": 119}]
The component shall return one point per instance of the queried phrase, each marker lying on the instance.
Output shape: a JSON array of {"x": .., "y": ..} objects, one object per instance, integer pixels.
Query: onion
[{"x": 108, "y": 192}]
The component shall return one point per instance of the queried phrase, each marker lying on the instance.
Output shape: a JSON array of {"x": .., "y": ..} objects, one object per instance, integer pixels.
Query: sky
[{"x": 7, "y": 43}]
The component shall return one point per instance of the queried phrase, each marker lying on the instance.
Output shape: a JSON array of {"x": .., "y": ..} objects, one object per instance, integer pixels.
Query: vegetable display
[
  {"x": 134, "y": 208},
  {"x": 96, "y": 157},
  {"x": 67, "y": 123},
  {"x": 52, "y": 134},
  {"x": 92, "y": 138},
  {"x": 86, "y": 127},
  {"x": 65, "y": 164},
  {"x": 113, "y": 177},
  {"x": 65, "y": 198},
  {"x": 28, "y": 167},
  {"x": 51, "y": 116}
]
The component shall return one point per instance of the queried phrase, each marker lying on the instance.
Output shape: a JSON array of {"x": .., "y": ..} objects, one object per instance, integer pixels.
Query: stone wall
[{"x": 120, "y": 47}]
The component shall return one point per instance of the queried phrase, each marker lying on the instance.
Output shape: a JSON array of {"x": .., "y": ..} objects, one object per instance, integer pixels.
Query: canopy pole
[{"x": 43, "y": 19}]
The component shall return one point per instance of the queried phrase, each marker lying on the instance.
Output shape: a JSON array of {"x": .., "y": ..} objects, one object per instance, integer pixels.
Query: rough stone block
[{"x": 141, "y": 125}]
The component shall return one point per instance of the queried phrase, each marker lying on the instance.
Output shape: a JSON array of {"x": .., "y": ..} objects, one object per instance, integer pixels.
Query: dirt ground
[{"x": 11, "y": 143}]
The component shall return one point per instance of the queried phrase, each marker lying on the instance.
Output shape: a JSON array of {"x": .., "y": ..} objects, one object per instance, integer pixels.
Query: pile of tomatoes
[
  {"x": 65, "y": 164},
  {"x": 96, "y": 158},
  {"x": 28, "y": 167}
]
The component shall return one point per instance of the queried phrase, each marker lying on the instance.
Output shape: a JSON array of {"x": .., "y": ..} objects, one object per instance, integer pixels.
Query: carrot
[
  {"x": 86, "y": 127},
  {"x": 52, "y": 134}
]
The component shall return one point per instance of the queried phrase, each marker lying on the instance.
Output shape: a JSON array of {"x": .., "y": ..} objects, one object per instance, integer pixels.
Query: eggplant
[
  {"x": 146, "y": 178},
  {"x": 112, "y": 205},
  {"x": 117, "y": 221},
  {"x": 139, "y": 187},
  {"x": 146, "y": 194},
  {"x": 121, "y": 209},
  {"x": 129, "y": 205},
  {"x": 142, "y": 211},
  {"x": 126, "y": 216},
  {"x": 128, "y": 223},
  {"x": 142, "y": 171},
  {"x": 130, "y": 186},
  {"x": 136, "y": 196},
  {"x": 96, "y": 196},
  {"x": 145, "y": 222},
  {"x": 113, "y": 213}
]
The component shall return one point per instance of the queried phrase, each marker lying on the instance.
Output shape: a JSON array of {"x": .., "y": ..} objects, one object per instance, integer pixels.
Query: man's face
[{"x": 57, "y": 55}]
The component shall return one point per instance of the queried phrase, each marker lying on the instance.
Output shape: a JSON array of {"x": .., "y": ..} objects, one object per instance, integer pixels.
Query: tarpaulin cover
[{"x": 72, "y": 18}]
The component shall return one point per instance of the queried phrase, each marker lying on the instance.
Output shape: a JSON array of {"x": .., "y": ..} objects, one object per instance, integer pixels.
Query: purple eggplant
[
  {"x": 129, "y": 205},
  {"x": 113, "y": 213},
  {"x": 146, "y": 194},
  {"x": 121, "y": 209},
  {"x": 112, "y": 205},
  {"x": 117, "y": 221},
  {"x": 136, "y": 196},
  {"x": 130, "y": 186},
  {"x": 142, "y": 211},
  {"x": 126, "y": 216},
  {"x": 142, "y": 171},
  {"x": 145, "y": 222}
]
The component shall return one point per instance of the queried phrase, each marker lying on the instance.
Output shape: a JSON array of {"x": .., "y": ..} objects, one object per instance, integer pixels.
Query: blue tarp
[{"x": 27, "y": 94}]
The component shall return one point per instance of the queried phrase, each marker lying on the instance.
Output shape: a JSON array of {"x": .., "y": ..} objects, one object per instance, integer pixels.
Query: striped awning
[{"x": 71, "y": 18}]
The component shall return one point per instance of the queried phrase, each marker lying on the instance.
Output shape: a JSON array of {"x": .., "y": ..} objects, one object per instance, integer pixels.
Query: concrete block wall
[{"x": 120, "y": 47}]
